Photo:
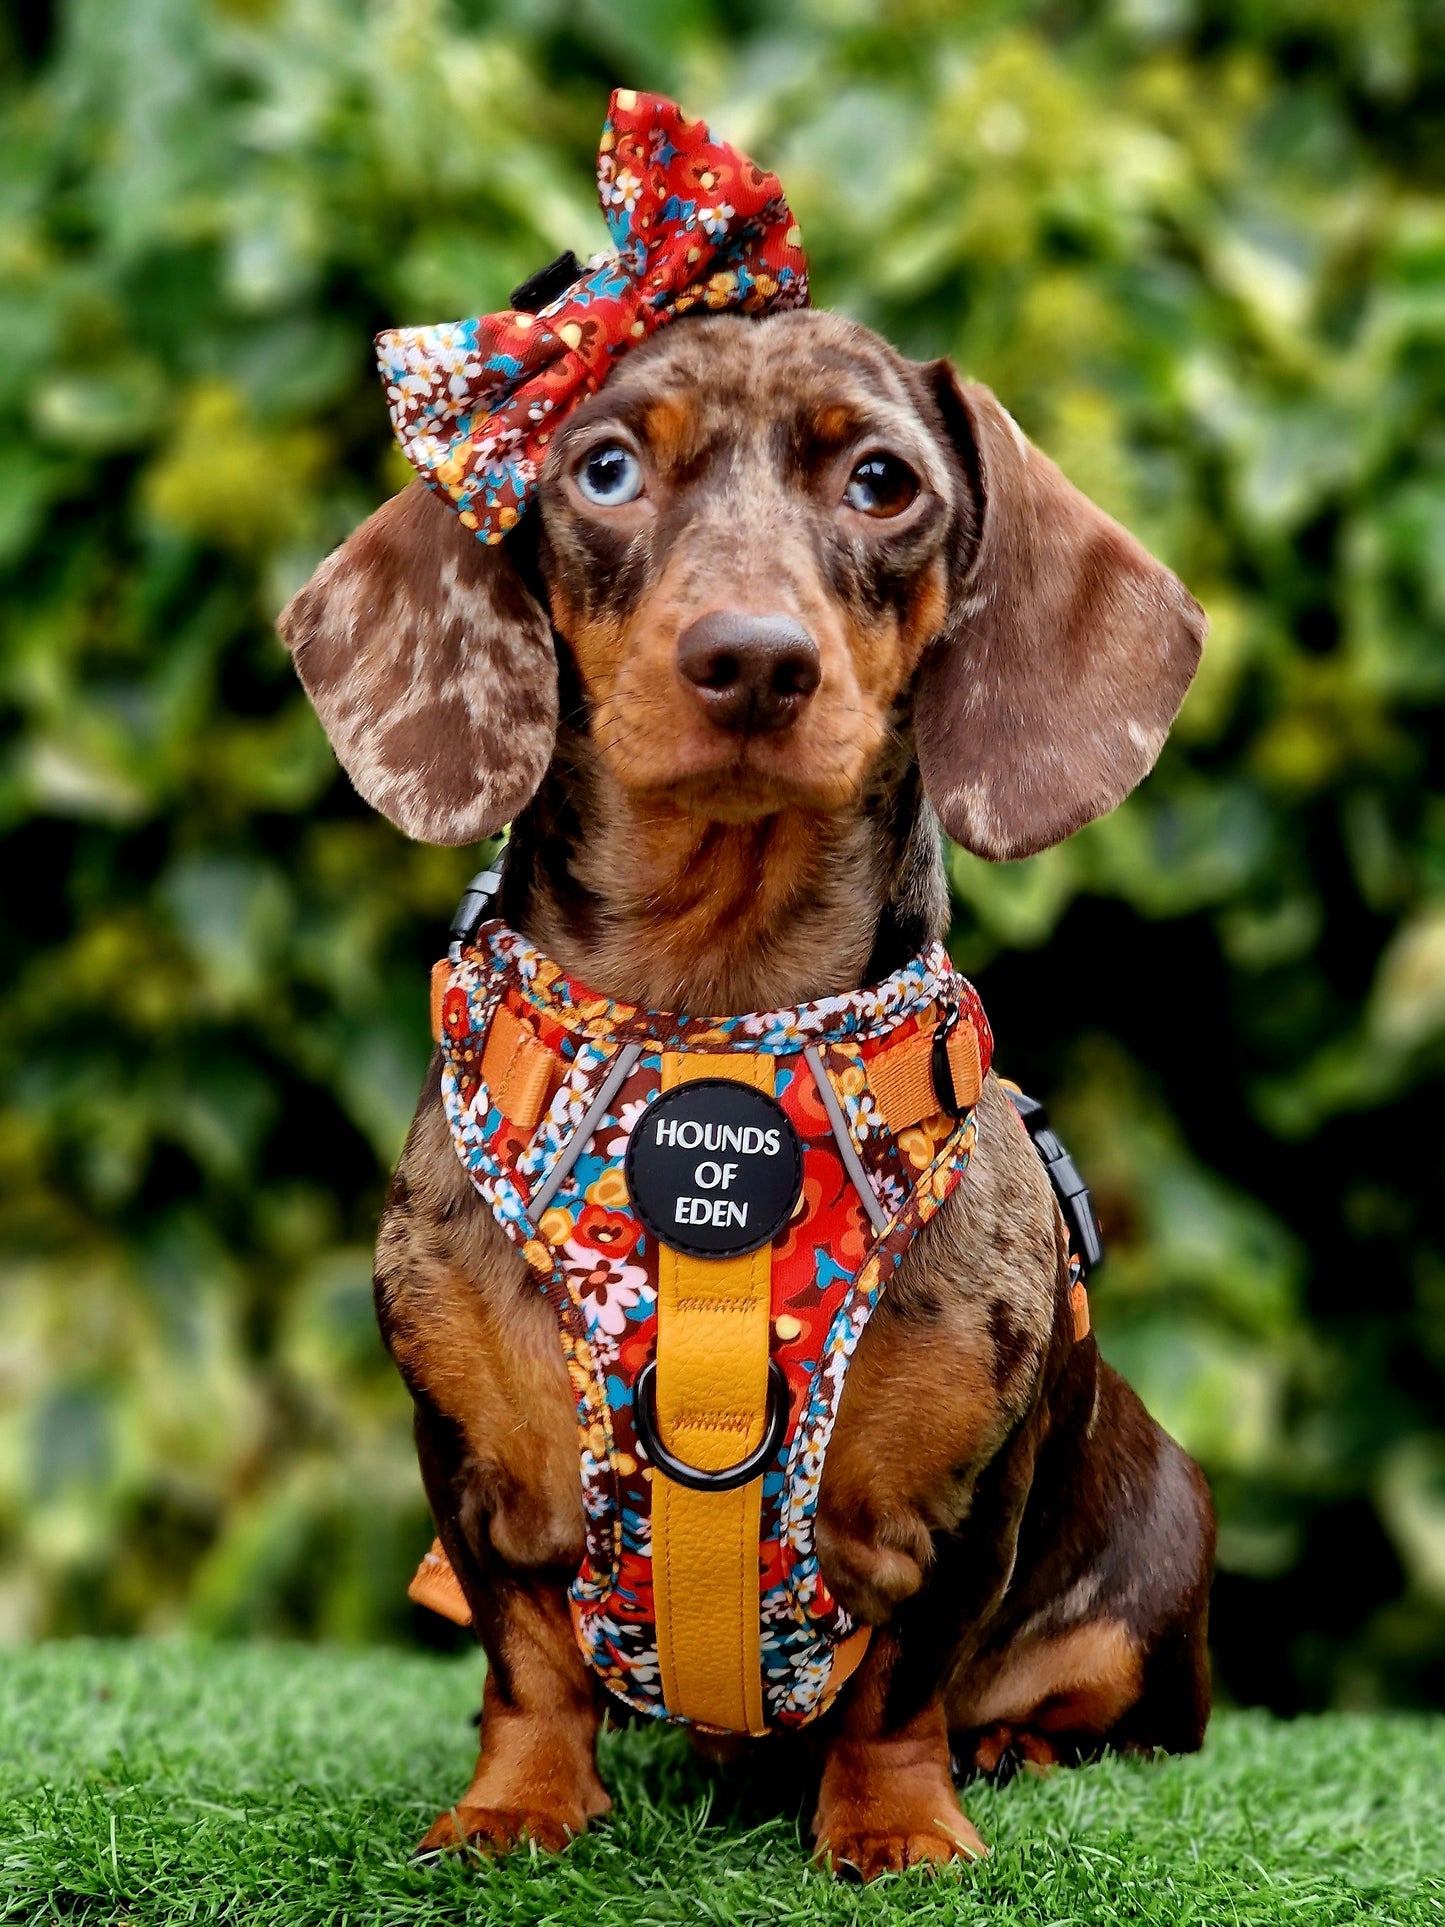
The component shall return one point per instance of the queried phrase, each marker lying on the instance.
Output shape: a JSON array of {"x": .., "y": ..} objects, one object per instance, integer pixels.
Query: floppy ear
[
  {"x": 1065, "y": 656},
  {"x": 432, "y": 669}
]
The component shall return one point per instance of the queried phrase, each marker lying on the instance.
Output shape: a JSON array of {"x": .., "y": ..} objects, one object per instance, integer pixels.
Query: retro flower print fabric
[
  {"x": 695, "y": 225},
  {"x": 597, "y": 1264}
]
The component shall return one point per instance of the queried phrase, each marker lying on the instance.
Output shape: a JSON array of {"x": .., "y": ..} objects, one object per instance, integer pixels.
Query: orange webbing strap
[
  {"x": 441, "y": 976},
  {"x": 1079, "y": 1306},
  {"x": 902, "y": 1076},
  {"x": 519, "y": 1071},
  {"x": 436, "y": 1585},
  {"x": 712, "y": 1384}
]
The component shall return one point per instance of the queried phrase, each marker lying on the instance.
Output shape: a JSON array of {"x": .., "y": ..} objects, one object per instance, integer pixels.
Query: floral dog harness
[{"x": 712, "y": 1208}]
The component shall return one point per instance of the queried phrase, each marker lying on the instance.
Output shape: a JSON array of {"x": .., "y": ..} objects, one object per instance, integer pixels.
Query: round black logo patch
[{"x": 714, "y": 1168}]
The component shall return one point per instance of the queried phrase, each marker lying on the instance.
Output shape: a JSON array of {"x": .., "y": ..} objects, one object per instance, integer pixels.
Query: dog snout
[{"x": 751, "y": 673}]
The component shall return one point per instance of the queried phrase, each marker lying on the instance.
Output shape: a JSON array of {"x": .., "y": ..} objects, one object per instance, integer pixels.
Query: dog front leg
[
  {"x": 497, "y": 1442},
  {"x": 536, "y": 1774},
  {"x": 886, "y": 1800}
]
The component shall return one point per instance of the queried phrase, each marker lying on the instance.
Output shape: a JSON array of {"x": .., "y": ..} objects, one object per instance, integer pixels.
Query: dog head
[{"x": 754, "y": 545}]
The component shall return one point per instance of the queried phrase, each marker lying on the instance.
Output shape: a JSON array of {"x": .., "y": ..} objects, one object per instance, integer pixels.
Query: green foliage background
[{"x": 1198, "y": 246}]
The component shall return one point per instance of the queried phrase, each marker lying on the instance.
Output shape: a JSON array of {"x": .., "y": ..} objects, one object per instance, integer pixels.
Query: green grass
[{"x": 150, "y": 1783}]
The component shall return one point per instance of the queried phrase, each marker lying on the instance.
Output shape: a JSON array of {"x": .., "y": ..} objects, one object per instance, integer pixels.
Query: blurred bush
[{"x": 1199, "y": 248}]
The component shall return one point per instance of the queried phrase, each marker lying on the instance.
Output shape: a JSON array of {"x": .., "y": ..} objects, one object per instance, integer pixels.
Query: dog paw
[
  {"x": 497, "y": 1830},
  {"x": 1002, "y": 1751},
  {"x": 862, "y": 1854}
]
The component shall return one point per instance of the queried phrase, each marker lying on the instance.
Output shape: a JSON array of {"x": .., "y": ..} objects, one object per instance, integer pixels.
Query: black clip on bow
[
  {"x": 1069, "y": 1187},
  {"x": 472, "y": 911},
  {"x": 541, "y": 289}
]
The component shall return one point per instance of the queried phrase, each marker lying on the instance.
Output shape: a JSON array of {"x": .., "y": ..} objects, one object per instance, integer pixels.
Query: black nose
[{"x": 751, "y": 673}]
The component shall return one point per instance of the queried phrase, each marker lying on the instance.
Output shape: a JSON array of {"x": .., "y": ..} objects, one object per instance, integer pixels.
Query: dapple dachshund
[{"x": 788, "y": 602}]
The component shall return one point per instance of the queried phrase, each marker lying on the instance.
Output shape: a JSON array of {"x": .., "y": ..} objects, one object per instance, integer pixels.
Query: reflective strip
[
  {"x": 577, "y": 1143},
  {"x": 847, "y": 1149}
]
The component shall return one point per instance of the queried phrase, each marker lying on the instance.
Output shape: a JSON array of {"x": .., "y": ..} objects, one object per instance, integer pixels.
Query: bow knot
[{"x": 694, "y": 225}]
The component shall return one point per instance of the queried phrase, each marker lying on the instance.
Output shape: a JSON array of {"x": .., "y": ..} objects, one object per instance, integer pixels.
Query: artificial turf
[{"x": 146, "y": 1783}]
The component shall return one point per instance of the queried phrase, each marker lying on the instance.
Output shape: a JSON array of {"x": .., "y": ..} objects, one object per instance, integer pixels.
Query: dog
[{"x": 788, "y": 602}]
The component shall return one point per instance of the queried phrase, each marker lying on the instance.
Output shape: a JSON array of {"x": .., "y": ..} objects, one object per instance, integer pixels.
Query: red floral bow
[{"x": 694, "y": 225}]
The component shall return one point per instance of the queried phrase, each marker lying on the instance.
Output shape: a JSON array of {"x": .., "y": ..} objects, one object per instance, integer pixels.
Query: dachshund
[{"x": 788, "y": 603}]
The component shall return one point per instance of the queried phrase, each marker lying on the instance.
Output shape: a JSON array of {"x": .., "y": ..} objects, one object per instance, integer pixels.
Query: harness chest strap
[{"x": 713, "y": 1317}]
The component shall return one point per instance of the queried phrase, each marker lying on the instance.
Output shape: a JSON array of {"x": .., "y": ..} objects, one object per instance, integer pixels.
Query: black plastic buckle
[
  {"x": 541, "y": 289},
  {"x": 1069, "y": 1187},
  {"x": 941, "y": 1070},
  {"x": 471, "y": 912},
  {"x": 644, "y": 1423}
]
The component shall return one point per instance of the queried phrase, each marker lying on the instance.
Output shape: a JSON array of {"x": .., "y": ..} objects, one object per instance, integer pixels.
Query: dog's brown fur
[{"x": 1036, "y": 1554}]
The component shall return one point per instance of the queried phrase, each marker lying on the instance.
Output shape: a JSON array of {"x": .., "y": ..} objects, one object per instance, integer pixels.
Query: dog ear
[
  {"x": 1065, "y": 655},
  {"x": 432, "y": 669}
]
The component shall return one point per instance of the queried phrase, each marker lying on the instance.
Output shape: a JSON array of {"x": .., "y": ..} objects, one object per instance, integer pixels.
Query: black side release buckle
[
  {"x": 472, "y": 911},
  {"x": 1069, "y": 1187},
  {"x": 541, "y": 289}
]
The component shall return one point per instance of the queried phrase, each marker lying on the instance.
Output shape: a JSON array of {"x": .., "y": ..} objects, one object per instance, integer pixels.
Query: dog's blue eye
[
  {"x": 610, "y": 476},
  {"x": 881, "y": 485}
]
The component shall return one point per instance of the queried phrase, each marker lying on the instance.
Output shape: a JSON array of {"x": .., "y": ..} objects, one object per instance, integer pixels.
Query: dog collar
[{"x": 694, "y": 225}]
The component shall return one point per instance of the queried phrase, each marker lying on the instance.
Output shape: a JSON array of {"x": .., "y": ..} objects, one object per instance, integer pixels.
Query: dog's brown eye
[
  {"x": 610, "y": 476},
  {"x": 881, "y": 485}
]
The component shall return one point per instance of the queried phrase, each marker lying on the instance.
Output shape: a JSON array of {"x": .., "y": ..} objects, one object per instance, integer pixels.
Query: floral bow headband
[{"x": 694, "y": 224}]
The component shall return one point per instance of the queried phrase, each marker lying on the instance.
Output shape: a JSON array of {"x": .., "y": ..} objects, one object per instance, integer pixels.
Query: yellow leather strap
[{"x": 712, "y": 1382}]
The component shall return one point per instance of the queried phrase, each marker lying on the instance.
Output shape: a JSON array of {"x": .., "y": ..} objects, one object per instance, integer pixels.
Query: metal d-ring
[{"x": 644, "y": 1419}]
